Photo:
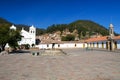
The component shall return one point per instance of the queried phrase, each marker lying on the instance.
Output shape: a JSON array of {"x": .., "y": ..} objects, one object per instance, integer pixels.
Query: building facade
[
  {"x": 28, "y": 37},
  {"x": 110, "y": 42}
]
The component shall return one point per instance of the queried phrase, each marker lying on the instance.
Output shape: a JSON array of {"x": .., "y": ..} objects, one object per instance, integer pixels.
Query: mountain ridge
[{"x": 82, "y": 26}]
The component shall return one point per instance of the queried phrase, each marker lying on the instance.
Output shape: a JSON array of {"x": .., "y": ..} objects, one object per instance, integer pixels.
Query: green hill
[
  {"x": 86, "y": 27},
  {"x": 5, "y": 23},
  {"x": 82, "y": 26}
]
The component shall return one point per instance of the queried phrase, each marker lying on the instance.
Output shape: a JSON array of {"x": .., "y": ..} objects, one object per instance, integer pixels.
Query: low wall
[{"x": 65, "y": 45}]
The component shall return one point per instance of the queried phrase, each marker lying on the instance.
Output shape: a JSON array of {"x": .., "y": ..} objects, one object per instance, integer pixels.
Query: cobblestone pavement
[{"x": 78, "y": 64}]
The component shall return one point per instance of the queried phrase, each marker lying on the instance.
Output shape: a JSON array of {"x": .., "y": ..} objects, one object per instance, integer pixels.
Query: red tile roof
[
  {"x": 117, "y": 37},
  {"x": 96, "y": 39},
  {"x": 103, "y": 38}
]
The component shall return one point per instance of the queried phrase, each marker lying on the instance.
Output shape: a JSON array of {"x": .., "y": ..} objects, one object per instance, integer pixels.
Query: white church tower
[
  {"x": 28, "y": 37},
  {"x": 32, "y": 32},
  {"x": 111, "y": 45},
  {"x": 13, "y": 27},
  {"x": 111, "y": 30}
]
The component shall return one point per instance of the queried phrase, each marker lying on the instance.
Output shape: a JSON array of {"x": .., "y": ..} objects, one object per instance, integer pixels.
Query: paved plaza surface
[{"x": 78, "y": 64}]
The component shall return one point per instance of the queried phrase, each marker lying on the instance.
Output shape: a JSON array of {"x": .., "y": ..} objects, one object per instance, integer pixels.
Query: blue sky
[{"x": 43, "y": 13}]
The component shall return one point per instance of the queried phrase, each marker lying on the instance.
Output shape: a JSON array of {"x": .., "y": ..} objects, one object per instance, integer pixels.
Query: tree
[
  {"x": 63, "y": 38},
  {"x": 8, "y": 36},
  {"x": 56, "y": 27},
  {"x": 14, "y": 37},
  {"x": 4, "y": 36},
  {"x": 69, "y": 37},
  {"x": 27, "y": 46}
]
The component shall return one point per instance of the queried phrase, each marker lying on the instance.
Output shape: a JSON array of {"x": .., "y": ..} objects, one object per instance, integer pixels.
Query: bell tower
[
  {"x": 32, "y": 32},
  {"x": 111, "y": 38},
  {"x": 111, "y": 30}
]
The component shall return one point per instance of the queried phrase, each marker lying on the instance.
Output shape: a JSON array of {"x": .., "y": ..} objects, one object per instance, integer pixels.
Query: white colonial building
[
  {"x": 110, "y": 42},
  {"x": 27, "y": 37}
]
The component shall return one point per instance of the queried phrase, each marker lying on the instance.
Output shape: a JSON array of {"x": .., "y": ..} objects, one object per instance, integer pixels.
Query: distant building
[
  {"x": 13, "y": 27},
  {"x": 110, "y": 42},
  {"x": 27, "y": 37}
]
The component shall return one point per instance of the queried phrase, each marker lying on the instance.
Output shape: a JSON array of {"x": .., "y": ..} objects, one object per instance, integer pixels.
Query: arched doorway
[
  {"x": 115, "y": 43},
  {"x": 93, "y": 44},
  {"x": 47, "y": 45},
  {"x": 58, "y": 45},
  {"x": 102, "y": 45},
  {"x": 110, "y": 45},
  {"x": 106, "y": 45},
  {"x": 53, "y": 45},
  {"x": 97, "y": 44},
  {"x": 75, "y": 45}
]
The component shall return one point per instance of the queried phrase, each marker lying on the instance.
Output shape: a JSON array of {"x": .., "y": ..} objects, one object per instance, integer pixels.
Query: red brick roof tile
[{"x": 103, "y": 38}]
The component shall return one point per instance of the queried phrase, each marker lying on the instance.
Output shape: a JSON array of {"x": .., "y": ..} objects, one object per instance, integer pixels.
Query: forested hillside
[
  {"x": 5, "y": 23},
  {"x": 82, "y": 26}
]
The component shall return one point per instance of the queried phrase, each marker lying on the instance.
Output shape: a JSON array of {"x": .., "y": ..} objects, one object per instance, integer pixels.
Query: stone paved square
[{"x": 78, "y": 64}]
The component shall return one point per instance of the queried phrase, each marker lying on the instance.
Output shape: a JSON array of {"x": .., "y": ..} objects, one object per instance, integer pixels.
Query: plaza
[{"x": 77, "y": 64}]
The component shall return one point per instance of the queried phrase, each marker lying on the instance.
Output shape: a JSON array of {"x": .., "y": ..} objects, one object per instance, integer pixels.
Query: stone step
[{"x": 52, "y": 53}]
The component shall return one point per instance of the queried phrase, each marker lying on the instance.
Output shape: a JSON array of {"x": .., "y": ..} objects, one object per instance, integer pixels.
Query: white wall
[
  {"x": 95, "y": 44},
  {"x": 78, "y": 45},
  {"x": 118, "y": 44},
  {"x": 65, "y": 45},
  {"x": 99, "y": 44}
]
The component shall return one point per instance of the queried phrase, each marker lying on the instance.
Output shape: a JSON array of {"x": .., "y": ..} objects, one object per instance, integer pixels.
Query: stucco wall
[
  {"x": 65, "y": 45},
  {"x": 100, "y": 44},
  {"x": 118, "y": 44}
]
